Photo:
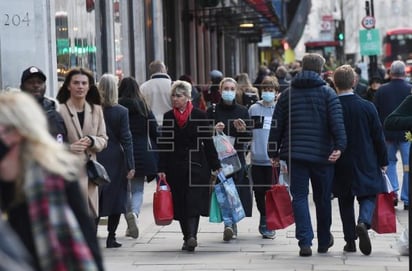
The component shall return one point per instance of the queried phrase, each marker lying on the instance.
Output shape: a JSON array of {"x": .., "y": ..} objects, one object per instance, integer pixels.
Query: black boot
[
  {"x": 111, "y": 241},
  {"x": 112, "y": 224},
  {"x": 192, "y": 228},
  {"x": 183, "y": 227}
]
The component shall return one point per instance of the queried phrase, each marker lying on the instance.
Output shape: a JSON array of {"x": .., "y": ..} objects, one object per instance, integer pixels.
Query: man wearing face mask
[
  {"x": 262, "y": 173},
  {"x": 233, "y": 120},
  {"x": 33, "y": 81}
]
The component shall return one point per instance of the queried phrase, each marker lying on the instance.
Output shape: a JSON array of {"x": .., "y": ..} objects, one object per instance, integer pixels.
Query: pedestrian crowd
[{"x": 326, "y": 129}]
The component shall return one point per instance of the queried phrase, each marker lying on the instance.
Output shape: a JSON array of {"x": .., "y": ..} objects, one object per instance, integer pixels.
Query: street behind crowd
[{"x": 159, "y": 247}]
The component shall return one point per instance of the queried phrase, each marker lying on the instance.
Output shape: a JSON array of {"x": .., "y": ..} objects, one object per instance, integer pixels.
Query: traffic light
[
  {"x": 341, "y": 36},
  {"x": 340, "y": 30}
]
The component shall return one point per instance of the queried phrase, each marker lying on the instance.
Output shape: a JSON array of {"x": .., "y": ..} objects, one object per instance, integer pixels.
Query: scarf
[
  {"x": 57, "y": 236},
  {"x": 182, "y": 117}
]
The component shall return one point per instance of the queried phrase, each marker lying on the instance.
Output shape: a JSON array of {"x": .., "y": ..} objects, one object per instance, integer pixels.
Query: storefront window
[{"x": 75, "y": 35}]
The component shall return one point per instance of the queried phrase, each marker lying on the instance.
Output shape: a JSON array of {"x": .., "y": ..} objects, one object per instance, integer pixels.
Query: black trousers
[
  {"x": 262, "y": 177},
  {"x": 189, "y": 226}
]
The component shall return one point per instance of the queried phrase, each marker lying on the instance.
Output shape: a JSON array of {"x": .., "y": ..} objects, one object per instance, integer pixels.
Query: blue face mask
[
  {"x": 228, "y": 96},
  {"x": 268, "y": 96}
]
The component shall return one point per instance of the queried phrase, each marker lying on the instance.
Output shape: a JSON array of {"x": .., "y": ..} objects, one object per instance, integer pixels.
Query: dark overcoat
[
  {"x": 358, "y": 170},
  {"x": 117, "y": 158},
  {"x": 144, "y": 136},
  {"x": 187, "y": 156}
]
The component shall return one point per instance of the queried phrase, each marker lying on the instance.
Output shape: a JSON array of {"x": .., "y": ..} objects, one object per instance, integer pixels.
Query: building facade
[{"x": 123, "y": 36}]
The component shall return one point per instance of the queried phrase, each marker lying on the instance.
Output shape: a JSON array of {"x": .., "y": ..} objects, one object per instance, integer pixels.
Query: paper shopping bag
[
  {"x": 229, "y": 200},
  {"x": 279, "y": 212},
  {"x": 163, "y": 203},
  {"x": 384, "y": 217},
  {"x": 215, "y": 215}
]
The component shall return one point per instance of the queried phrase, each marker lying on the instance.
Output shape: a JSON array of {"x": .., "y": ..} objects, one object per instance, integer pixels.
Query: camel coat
[{"x": 93, "y": 126}]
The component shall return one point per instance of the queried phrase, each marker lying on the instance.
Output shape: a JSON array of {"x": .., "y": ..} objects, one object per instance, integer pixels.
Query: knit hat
[{"x": 216, "y": 74}]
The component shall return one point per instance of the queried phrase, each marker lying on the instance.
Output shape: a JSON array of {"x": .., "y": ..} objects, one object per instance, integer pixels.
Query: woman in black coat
[
  {"x": 234, "y": 120},
  {"x": 143, "y": 127},
  {"x": 113, "y": 196},
  {"x": 187, "y": 156}
]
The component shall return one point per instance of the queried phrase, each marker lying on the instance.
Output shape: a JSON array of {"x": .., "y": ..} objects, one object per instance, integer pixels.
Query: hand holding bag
[
  {"x": 384, "y": 217},
  {"x": 97, "y": 173},
  {"x": 227, "y": 154},
  {"x": 279, "y": 211},
  {"x": 229, "y": 200},
  {"x": 163, "y": 203}
]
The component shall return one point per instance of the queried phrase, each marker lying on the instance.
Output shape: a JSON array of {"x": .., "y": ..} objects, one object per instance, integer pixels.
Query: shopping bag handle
[
  {"x": 275, "y": 175},
  {"x": 162, "y": 182}
]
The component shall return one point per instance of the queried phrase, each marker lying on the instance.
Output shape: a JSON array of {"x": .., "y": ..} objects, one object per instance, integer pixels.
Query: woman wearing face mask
[
  {"x": 233, "y": 119},
  {"x": 262, "y": 173}
]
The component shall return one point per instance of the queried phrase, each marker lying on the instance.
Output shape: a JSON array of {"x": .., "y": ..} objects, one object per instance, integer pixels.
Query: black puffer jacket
[
  {"x": 313, "y": 127},
  {"x": 55, "y": 120}
]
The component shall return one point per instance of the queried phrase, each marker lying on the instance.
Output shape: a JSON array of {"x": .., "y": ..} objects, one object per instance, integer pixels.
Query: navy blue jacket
[
  {"x": 313, "y": 127},
  {"x": 358, "y": 170},
  {"x": 387, "y": 98}
]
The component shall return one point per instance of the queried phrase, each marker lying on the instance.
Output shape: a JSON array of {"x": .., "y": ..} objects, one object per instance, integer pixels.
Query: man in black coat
[
  {"x": 33, "y": 81},
  {"x": 359, "y": 170},
  {"x": 308, "y": 132},
  {"x": 387, "y": 98}
]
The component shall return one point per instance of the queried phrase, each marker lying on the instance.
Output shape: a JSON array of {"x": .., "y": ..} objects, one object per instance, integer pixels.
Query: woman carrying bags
[
  {"x": 187, "y": 156},
  {"x": 233, "y": 120}
]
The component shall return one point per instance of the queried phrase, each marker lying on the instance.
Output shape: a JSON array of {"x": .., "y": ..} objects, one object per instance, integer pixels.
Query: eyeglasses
[{"x": 177, "y": 95}]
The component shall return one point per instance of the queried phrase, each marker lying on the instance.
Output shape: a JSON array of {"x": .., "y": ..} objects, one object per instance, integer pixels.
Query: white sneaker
[{"x": 132, "y": 229}]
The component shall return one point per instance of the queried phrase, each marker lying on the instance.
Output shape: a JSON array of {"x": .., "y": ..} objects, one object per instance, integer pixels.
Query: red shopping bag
[
  {"x": 384, "y": 217},
  {"x": 163, "y": 203},
  {"x": 279, "y": 212}
]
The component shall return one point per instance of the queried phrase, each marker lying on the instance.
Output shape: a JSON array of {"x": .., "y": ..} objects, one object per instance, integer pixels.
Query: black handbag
[{"x": 97, "y": 173}]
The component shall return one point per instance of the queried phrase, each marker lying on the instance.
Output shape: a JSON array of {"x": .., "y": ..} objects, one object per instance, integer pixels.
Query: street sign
[
  {"x": 368, "y": 22},
  {"x": 370, "y": 42}
]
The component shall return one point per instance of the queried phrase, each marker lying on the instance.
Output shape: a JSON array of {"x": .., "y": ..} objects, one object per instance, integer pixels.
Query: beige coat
[{"x": 93, "y": 126}]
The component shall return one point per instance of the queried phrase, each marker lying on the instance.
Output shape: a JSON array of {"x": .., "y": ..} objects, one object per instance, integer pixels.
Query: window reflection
[{"x": 75, "y": 35}]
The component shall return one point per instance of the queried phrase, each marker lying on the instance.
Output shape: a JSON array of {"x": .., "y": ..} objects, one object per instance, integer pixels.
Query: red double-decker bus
[{"x": 397, "y": 45}]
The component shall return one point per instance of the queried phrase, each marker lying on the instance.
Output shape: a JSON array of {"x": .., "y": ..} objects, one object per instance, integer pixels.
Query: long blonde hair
[
  {"x": 21, "y": 112},
  {"x": 108, "y": 89}
]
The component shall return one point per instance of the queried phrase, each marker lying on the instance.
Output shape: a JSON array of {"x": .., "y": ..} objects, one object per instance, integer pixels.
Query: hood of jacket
[{"x": 307, "y": 79}]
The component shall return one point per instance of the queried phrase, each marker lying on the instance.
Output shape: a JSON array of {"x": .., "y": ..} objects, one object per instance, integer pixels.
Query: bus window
[{"x": 397, "y": 45}]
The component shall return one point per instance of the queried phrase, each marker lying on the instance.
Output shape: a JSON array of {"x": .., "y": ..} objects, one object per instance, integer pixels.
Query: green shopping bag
[{"x": 215, "y": 215}]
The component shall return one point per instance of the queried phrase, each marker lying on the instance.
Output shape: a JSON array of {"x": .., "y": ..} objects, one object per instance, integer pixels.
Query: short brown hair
[{"x": 344, "y": 77}]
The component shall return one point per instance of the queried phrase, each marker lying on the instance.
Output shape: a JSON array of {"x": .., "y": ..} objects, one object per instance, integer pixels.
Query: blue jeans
[
  {"x": 136, "y": 189},
  {"x": 321, "y": 177},
  {"x": 403, "y": 147},
  {"x": 347, "y": 214}
]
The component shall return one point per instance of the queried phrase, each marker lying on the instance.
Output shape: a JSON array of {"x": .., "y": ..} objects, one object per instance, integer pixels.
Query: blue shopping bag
[{"x": 229, "y": 200}]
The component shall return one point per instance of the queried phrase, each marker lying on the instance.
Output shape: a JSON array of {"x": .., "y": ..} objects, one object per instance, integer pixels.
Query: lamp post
[{"x": 373, "y": 60}]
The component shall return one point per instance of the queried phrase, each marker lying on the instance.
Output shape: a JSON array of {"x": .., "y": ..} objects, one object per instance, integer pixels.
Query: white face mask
[{"x": 228, "y": 95}]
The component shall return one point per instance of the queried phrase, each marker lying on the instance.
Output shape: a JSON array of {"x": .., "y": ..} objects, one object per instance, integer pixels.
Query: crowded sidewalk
[{"x": 159, "y": 247}]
